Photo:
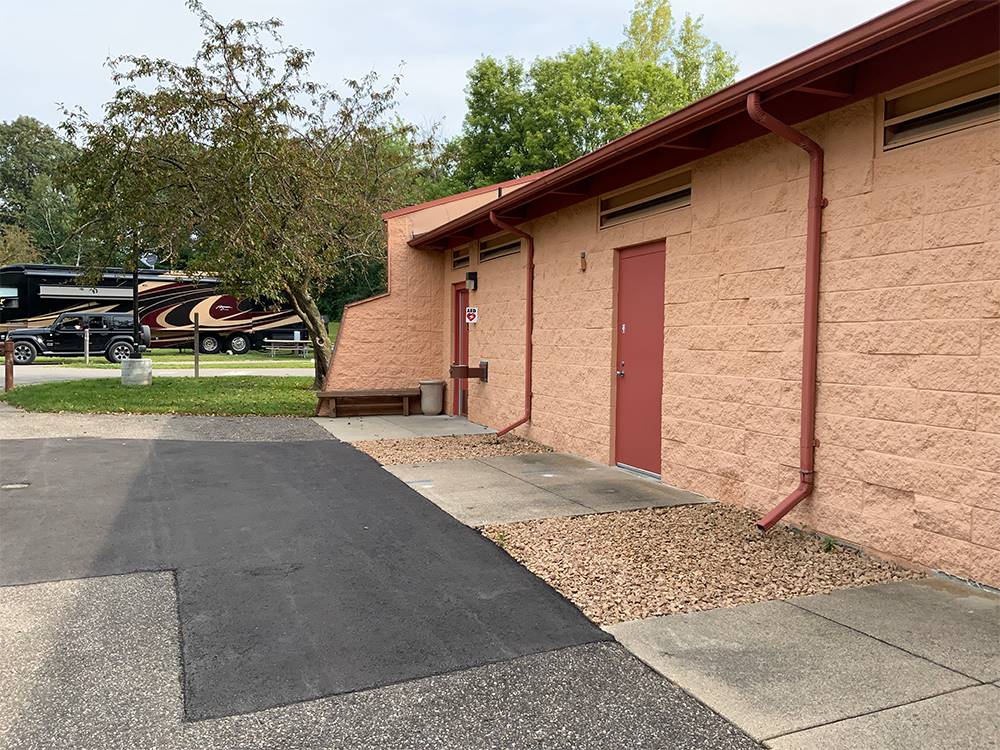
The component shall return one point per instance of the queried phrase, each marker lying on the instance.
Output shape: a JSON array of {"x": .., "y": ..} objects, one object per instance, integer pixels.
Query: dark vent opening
[
  {"x": 949, "y": 120},
  {"x": 676, "y": 199}
]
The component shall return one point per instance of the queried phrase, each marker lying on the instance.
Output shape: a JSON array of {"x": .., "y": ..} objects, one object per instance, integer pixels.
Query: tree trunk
[{"x": 305, "y": 307}]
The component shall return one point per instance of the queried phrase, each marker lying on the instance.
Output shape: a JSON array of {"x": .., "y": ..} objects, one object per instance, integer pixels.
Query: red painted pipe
[
  {"x": 529, "y": 295},
  {"x": 810, "y": 323}
]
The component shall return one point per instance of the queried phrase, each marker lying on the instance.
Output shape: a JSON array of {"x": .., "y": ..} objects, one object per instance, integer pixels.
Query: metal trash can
[{"x": 431, "y": 397}]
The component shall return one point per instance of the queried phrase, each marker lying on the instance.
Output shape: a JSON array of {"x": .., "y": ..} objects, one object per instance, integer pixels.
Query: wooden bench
[
  {"x": 366, "y": 403},
  {"x": 302, "y": 347}
]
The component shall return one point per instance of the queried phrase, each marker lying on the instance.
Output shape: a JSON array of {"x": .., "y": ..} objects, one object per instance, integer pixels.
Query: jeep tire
[
  {"x": 24, "y": 352},
  {"x": 119, "y": 350}
]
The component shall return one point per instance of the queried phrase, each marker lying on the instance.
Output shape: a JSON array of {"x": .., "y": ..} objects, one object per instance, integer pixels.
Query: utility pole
[{"x": 136, "y": 337}]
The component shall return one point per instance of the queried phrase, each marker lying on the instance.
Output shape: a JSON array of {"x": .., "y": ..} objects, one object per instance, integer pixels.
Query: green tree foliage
[
  {"x": 522, "y": 119},
  {"x": 16, "y": 246},
  {"x": 237, "y": 160},
  {"x": 34, "y": 192}
]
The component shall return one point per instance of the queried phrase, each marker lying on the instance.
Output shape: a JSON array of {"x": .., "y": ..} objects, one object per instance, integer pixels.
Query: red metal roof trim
[
  {"x": 467, "y": 194},
  {"x": 882, "y": 33}
]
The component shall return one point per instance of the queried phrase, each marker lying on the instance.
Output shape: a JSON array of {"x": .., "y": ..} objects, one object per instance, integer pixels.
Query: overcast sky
[{"x": 53, "y": 51}]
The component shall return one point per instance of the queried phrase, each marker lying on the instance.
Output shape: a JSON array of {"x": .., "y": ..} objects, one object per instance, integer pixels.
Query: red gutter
[
  {"x": 810, "y": 323},
  {"x": 529, "y": 316}
]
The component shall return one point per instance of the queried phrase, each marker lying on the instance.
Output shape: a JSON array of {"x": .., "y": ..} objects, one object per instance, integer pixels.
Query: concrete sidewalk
[
  {"x": 910, "y": 665},
  {"x": 395, "y": 427},
  {"x": 535, "y": 485}
]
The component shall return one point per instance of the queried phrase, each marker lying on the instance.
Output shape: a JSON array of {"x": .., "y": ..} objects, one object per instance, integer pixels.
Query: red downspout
[
  {"x": 810, "y": 324},
  {"x": 529, "y": 295}
]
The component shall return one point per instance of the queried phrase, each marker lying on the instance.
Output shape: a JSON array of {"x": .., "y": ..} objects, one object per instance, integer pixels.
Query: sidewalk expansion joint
[
  {"x": 870, "y": 713},
  {"x": 893, "y": 645}
]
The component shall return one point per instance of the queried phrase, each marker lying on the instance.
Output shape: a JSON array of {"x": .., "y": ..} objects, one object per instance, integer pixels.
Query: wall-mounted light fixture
[
  {"x": 583, "y": 260},
  {"x": 471, "y": 280}
]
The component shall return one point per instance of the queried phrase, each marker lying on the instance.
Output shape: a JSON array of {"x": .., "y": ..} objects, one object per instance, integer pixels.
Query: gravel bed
[
  {"x": 424, "y": 450},
  {"x": 660, "y": 561}
]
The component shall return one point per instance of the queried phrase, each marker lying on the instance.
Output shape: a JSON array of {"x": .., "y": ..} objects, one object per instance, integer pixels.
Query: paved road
[
  {"x": 31, "y": 374},
  {"x": 315, "y": 600}
]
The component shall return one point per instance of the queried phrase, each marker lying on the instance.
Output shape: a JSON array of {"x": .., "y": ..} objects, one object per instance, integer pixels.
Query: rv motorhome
[{"x": 33, "y": 296}]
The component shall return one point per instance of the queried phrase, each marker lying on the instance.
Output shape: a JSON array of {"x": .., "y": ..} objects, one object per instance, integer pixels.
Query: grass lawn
[{"x": 223, "y": 396}]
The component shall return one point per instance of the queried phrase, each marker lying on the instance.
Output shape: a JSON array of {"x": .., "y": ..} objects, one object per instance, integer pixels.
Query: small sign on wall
[{"x": 472, "y": 315}]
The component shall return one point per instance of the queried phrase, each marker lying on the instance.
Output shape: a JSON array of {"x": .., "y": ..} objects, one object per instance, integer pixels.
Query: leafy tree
[
  {"x": 16, "y": 246},
  {"x": 51, "y": 216},
  {"x": 34, "y": 193},
  {"x": 28, "y": 149},
  {"x": 524, "y": 119},
  {"x": 265, "y": 178}
]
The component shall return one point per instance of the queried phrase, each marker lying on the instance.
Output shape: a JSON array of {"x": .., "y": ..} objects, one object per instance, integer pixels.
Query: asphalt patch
[{"x": 303, "y": 569}]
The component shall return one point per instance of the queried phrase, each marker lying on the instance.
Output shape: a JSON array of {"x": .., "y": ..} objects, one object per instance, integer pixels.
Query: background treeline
[{"x": 522, "y": 117}]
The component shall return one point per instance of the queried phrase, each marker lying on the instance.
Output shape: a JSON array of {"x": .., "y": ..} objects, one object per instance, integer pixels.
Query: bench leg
[
  {"x": 325, "y": 408},
  {"x": 406, "y": 406}
]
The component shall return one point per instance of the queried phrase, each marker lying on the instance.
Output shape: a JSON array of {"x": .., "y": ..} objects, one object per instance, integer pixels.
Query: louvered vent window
[
  {"x": 460, "y": 257},
  {"x": 961, "y": 101},
  {"x": 498, "y": 247},
  {"x": 649, "y": 198}
]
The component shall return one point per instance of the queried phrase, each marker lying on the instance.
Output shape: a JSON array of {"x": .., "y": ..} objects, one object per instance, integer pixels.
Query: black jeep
[{"x": 110, "y": 335}]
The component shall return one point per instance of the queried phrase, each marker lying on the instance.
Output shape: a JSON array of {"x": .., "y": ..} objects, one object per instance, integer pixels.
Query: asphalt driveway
[
  {"x": 197, "y": 582},
  {"x": 303, "y": 569}
]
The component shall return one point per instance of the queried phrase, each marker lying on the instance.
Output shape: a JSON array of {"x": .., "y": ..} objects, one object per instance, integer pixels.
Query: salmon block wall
[
  {"x": 398, "y": 338},
  {"x": 908, "y": 461},
  {"x": 393, "y": 341},
  {"x": 909, "y": 368}
]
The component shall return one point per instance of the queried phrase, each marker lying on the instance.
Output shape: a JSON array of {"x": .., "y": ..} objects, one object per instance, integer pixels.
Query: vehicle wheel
[
  {"x": 118, "y": 351},
  {"x": 239, "y": 344},
  {"x": 24, "y": 352},
  {"x": 210, "y": 344}
]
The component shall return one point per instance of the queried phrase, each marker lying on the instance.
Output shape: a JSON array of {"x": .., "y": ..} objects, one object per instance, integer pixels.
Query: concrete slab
[
  {"x": 773, "y": 668},
  {"x": 600, "y": 488},
  {"x": 967, "y": 719},
  {"x": 477, "y": 494},
  {"x": 953, "y": 624},
  {"x": 540, "y": 485},
  {"x": 93, "y": 664},
  {"x": 304, "y": 569},
  {"x": 356, "y": 429}
]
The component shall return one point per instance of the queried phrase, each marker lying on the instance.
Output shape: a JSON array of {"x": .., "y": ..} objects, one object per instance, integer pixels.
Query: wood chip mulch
[
  {"x": 423, "y": 450},
  {"x": 630, "y": 565}
]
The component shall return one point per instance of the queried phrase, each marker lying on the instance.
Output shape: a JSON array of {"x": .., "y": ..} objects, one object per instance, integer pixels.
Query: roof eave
[{"x": 813, "y": 64}]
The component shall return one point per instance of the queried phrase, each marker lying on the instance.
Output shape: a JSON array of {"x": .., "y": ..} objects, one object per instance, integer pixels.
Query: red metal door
[
  {"x": 460, "y": 349},
  {"x": 639, "y": 363}
]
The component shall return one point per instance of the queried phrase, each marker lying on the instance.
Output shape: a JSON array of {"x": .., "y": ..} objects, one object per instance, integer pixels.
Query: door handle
[{"x": 621, "y": 373}]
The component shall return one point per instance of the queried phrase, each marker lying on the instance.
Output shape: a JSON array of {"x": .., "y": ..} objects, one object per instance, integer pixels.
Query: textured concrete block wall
[
  {"x": 909, "y": 368},
  {"x": 394, "y": 340},
  {"x": 498, "y": 337}
]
